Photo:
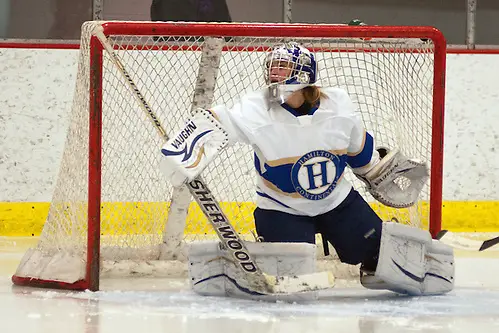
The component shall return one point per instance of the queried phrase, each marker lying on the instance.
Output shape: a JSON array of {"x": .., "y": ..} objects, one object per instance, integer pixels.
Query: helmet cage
[{"x": 298, "y": 59}]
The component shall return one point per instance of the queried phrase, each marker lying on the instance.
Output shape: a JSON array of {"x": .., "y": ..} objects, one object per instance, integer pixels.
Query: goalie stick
[
  {"x": 258, "y": 281},
  {"x": 465, "y": 243}
]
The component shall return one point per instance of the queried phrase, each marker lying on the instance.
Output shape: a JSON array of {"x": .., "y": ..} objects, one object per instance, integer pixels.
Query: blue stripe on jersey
[
  {"x": 265, "y": 195},
  {"x": 280, "y": 175},
  {"x": 296, "y": 113},
  {"x": 365, "y": 155}
]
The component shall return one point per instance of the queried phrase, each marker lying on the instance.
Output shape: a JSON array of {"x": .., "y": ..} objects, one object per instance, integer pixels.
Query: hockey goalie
[{"x": 304, "y": 137}]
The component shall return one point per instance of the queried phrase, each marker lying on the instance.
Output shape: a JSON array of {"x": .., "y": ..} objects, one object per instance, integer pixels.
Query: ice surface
[{"x": 162, "y": 305}]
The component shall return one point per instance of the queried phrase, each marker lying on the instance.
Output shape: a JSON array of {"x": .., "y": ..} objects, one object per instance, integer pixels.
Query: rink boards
[
  {"x": 27, "y": 218},
  {"x": 470, "y": 195}
]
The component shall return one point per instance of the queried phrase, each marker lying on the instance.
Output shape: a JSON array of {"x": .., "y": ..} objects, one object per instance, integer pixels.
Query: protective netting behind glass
[{"x": 389, "y": 80}]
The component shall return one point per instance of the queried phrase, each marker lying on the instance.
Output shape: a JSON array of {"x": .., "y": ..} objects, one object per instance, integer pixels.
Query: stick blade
[
  {"x": 489, "y": 243},
  {"x": 441, "y": 234},
  {"x": 465, "y": 243}
]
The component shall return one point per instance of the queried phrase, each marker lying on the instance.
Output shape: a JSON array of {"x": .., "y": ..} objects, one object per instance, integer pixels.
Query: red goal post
[{"x": 109, "y": 184}]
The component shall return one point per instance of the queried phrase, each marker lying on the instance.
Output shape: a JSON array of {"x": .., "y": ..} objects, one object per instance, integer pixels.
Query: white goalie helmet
[{"x": 289, "y": 67}]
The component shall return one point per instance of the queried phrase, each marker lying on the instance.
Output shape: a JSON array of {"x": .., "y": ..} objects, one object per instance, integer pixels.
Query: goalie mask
[{"x": 289, "y": 67}]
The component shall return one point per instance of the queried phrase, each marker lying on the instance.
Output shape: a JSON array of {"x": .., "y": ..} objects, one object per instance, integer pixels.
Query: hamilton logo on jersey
[{"x": 316, "y": 174}]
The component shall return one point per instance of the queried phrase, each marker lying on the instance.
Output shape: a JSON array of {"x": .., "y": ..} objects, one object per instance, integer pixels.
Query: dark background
[{"x": 56, "y": 19}]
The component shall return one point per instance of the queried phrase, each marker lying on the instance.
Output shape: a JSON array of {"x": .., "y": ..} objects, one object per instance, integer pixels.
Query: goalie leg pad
[
  {"x": 410, "y": 262},
  {"x": 212, "y": 272},
  {"x": 401, "y": 259},
  {"x": 206, "y": 269},
  {"x": 440, "y": 269}
]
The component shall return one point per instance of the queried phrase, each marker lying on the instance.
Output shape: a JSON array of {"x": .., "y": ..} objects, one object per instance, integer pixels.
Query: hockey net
[{"x": 110, "y": 197}]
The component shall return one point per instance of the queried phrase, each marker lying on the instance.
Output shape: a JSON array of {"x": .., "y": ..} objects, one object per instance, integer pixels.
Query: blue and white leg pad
[
  {"x": 212, "y": 271},
  {"x": 411, "y": 262}
]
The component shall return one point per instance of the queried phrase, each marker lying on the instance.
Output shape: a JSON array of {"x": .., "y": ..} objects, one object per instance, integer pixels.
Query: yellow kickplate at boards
[{"x": 28, "y": 218}]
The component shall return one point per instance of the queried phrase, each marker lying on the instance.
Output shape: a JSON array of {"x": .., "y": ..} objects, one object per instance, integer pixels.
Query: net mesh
[{"x": 390, "y": 82}]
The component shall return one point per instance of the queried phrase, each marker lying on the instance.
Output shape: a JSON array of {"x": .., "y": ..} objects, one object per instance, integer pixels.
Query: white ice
[{"x": 154, "y": 305}]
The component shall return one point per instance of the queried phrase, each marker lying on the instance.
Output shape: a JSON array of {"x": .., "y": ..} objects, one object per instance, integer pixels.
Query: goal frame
[{"x": 180, "y": 29}]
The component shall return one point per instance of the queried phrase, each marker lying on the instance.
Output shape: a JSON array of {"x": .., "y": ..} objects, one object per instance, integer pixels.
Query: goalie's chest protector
[{"x": 302, "y": 158}]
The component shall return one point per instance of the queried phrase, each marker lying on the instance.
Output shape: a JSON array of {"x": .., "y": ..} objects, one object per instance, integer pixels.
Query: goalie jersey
[{"x": 300, "y": 160}]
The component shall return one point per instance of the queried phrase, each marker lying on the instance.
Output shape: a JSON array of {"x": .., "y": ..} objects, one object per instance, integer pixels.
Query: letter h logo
[{"x": 322, "y": 174}]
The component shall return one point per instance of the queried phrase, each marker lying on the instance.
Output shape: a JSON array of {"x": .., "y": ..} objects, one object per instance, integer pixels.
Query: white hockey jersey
[{"x": 300, "y": 159}]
